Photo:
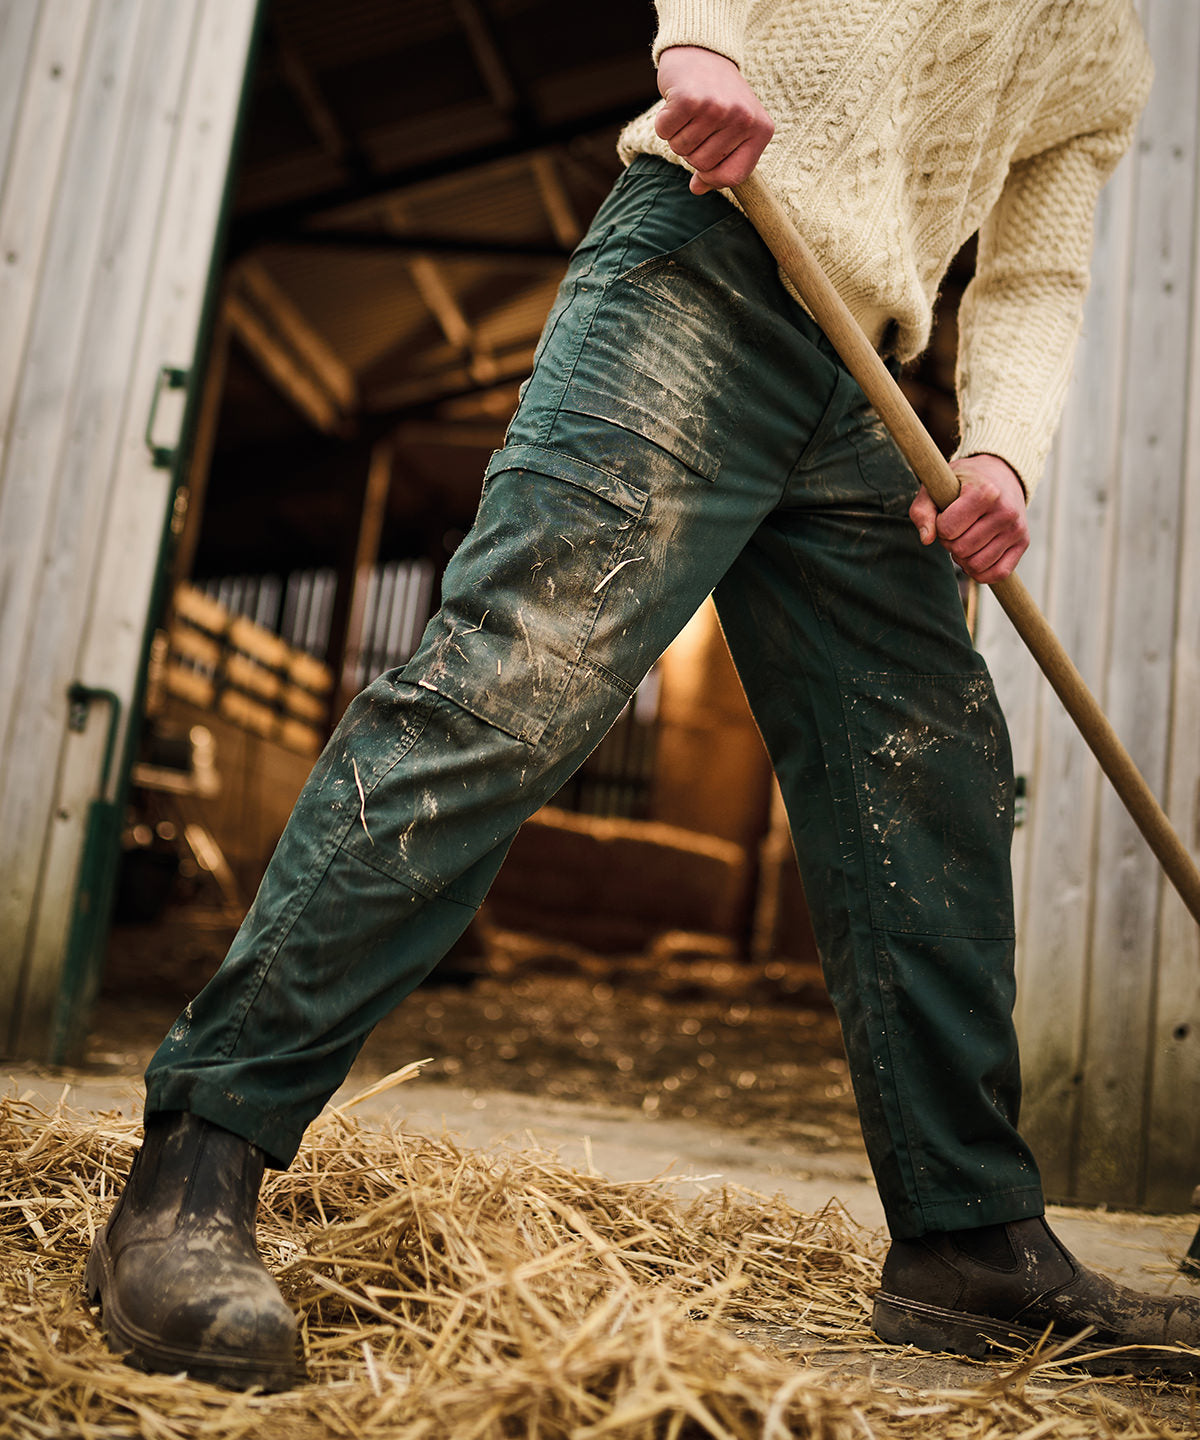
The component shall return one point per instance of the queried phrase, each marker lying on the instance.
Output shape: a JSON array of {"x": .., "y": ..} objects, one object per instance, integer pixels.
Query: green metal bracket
[
  {"x": 169, "y": 377},
  {"x": 94, "y": 889}
]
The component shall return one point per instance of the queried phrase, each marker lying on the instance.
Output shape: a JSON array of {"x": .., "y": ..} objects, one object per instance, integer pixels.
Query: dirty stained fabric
[{"x": 687, "y": 429}]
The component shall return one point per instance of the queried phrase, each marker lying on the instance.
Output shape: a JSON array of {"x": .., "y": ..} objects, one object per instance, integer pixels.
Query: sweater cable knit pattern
[{"x": 902, "y": 127}]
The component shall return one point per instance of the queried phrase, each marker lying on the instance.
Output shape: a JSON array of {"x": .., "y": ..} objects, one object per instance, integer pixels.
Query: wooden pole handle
[{"x": 929, "y": 465}]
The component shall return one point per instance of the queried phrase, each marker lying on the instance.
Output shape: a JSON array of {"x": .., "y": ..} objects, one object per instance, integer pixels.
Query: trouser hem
[
  {"x": 278, "y": 1141},
  {"x": 969, "y": 1212}
]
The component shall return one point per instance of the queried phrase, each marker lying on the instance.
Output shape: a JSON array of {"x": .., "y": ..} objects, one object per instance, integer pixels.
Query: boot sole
[
  {"x": 929, "y": 1327},
  {"x": 147, "y": 1352}
]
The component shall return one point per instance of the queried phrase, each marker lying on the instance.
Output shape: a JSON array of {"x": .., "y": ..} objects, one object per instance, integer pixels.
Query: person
[{"x": 687, "y": 429}]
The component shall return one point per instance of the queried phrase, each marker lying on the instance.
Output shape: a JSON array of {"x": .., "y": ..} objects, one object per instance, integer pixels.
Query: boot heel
[{"x": 899, "y": 1325}]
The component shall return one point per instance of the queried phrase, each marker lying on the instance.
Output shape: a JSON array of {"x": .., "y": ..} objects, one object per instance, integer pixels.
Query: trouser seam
[
  {"x": 823, "y": 426},
  {"x": 932, "y": 1217},
  {"x": 336, "y": 841},
  {"x": 903, "y": 1155},
  {"x": 945, "y": 934},
  {"x": 598, "y": 668},
  {"x": 892, "y": 1111},
  {"x": 287, "y": 924},
  {"x": 551, "y": 417}
]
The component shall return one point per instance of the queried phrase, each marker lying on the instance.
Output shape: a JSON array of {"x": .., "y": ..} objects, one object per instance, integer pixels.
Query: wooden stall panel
[
  {"x": 1073, "y": 523},
  {"x": 1173, "y": 1130},
  {"x": 1109, "y": 999},
  {"x": 18, "y": 25},
  {"x": 1018, "y": 681},
  {"x": 118, "y": 286},
  {"x": 49, "y": 319},
  {"x": 40, "y": 49},
  {"x": 52, "y": 490},
  {"x": 1146, "y": 593}
]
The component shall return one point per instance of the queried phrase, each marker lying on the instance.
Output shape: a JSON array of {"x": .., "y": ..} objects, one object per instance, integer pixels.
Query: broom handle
[{"x": 929, "y": 465}]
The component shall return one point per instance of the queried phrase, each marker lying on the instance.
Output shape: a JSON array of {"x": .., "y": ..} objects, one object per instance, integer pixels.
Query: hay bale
[{"x": 613, "y": 885}]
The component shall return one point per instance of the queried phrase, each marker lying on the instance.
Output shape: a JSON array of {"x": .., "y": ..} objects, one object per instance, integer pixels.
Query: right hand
[{"x": 711, "y": 118}]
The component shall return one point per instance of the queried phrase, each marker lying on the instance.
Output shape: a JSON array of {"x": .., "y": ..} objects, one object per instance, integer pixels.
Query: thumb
[{"x": 923, "y": 514}]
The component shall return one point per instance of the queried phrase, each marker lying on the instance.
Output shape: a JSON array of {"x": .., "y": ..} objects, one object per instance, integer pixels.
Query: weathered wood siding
[
  {"x": 116, "y": 122},
  {"x": 1109, "y": 960}
]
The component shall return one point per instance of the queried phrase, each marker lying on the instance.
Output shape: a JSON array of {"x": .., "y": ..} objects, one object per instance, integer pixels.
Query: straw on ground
[{"x": 449, "y": 1293}]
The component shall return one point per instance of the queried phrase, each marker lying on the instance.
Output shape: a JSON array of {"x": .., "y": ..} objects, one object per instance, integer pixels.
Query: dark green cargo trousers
[{"x": 687, "y": 429}]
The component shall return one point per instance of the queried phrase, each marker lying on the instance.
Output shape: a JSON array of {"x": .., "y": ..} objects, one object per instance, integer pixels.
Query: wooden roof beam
[
  {"x": 354, "y": 577},
  {"x": 285, "y": 221},
  {"x": 454, "y": 325},
  {"x": 289, "y": 350},
  {"x": 402, "y": 396},
  {"x": 555, "y": 200},
  {"x": 517, "y": 253},
  {"x": 332, "y": 371},
  {"x": 451, "y": 434},
  {"x": 489, "y": 59},
  {"x": 324, "y": 124}
]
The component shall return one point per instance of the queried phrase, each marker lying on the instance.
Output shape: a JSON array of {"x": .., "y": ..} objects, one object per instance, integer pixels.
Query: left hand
[{"x": 985, "y": 529}]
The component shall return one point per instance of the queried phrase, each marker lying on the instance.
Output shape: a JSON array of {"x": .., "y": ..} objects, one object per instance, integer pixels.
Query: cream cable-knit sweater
[{"x": 901, "y": 128}]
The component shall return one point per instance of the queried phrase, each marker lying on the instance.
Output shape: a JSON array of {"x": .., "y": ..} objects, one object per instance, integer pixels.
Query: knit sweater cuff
[
  {"x": 1012, "y": 443},
  {"x": 718, "y": 25}
]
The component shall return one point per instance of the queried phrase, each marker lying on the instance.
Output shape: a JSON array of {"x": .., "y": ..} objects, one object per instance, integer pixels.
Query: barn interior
[{"x": 411, "y": 177}]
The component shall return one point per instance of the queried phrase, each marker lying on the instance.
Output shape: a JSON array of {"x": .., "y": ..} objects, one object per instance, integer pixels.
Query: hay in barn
[{"x": 447, "y": 1294}]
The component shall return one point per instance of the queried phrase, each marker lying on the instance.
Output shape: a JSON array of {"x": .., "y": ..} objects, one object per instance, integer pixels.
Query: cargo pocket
[
  {"x": 932, "y": 771},
  {"x": 521, "y": 595},
  {"x": 667, "y": 355}
]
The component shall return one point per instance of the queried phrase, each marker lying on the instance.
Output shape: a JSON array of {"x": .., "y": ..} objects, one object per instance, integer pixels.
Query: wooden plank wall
[
  {"x": 116, "y": 120},
  {"x": 1109, "y": 960}
]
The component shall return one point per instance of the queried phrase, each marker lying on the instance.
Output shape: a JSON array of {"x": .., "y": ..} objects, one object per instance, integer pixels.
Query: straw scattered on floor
[{"x": 460, "y": 1295}]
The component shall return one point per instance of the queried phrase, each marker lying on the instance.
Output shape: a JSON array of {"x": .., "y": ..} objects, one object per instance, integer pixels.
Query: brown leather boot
[
  {"x": 968, "y": 1290},
  {"x": 176, "y": 1268}
]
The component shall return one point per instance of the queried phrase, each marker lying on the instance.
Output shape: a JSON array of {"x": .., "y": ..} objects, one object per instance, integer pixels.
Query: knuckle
[{"x": 684, "y": 103}]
